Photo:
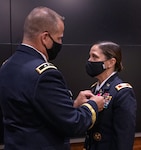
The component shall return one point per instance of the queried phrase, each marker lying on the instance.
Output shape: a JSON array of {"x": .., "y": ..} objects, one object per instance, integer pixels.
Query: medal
[{"x": 107, "y": 99}]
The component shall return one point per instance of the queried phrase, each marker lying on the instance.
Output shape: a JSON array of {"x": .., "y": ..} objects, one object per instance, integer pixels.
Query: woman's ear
[{"x": 111, "y": 62}]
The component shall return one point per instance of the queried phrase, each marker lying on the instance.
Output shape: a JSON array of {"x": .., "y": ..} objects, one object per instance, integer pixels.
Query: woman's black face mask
[{"x": 95, "y": 68}]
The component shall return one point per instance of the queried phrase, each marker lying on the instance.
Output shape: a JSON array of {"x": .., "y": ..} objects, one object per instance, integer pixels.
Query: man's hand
[
  {"x": 99, "y": 101},
  {"x": 86, "y": 95},
  {"x": 82, "y": 98}
]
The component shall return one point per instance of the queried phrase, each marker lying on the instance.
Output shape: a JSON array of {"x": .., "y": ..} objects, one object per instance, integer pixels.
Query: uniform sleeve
[
  {"x": 124, "y": 119},
  {"x": 53, "y": 103}
]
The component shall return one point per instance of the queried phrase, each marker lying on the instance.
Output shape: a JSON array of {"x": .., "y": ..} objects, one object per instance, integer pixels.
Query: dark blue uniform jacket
[
  {"x": 37, "y": 107},
  {"x": 115, "y": 126}
]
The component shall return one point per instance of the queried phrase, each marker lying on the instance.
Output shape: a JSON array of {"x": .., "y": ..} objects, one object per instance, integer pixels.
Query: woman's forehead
[{"x": 95, "y": 49}]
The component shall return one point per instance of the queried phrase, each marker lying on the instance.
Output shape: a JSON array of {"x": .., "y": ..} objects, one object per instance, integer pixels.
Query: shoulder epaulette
[
  {"x": 41, "y": 68},
  {"x": 93, "y": 85},
  {"x": 123, "y": 85}
]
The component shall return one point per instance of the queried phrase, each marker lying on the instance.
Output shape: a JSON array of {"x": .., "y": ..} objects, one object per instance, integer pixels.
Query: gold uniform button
[{"x": 97, "y": 136}]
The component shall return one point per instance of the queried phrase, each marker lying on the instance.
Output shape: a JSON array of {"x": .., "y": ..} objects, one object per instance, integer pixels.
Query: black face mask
[
  {"x": 52, "y": 52},
  {"x": 95, "y": 68}
]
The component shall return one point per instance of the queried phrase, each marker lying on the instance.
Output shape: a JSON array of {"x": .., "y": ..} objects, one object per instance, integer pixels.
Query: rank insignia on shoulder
[
  {"x": 123, "y": 85},
  {"x": 41, "y": 68}
]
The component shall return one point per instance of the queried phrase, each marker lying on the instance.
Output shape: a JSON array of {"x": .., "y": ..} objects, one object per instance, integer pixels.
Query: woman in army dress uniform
[{"x": 115, "y": 126}]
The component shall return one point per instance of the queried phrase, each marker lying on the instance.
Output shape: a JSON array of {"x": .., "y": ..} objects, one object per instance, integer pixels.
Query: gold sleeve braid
[{"x": 93, "y": 113}]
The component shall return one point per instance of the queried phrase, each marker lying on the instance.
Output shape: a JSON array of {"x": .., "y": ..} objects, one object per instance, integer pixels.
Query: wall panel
[
  {"x": 4, "y": 21},
  {"x": 5, "y": 48},
  {"x": 87, "y": 21}
]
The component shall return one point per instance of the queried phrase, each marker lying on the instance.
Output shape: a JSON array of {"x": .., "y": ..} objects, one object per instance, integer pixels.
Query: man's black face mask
[{"x": 52, "y": 52}]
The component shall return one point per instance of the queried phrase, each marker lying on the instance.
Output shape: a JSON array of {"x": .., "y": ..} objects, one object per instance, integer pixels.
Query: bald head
[{"x": 41, "y": 19}]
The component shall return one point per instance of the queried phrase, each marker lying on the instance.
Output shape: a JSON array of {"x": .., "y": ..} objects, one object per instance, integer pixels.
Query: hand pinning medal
[{"x": 107, "y": 98}]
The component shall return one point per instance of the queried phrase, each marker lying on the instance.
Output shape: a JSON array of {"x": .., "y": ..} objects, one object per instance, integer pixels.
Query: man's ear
[{"x": 44, "y": 37}]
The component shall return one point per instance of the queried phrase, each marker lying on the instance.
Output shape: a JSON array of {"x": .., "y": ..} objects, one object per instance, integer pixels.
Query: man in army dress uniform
[{"x": 38, "y": 111}]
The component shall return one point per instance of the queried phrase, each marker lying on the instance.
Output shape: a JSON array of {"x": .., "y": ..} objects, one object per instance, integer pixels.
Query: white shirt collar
[
  {"x": 98, "y": 87},
  {"x": 37, "y": 51}
]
